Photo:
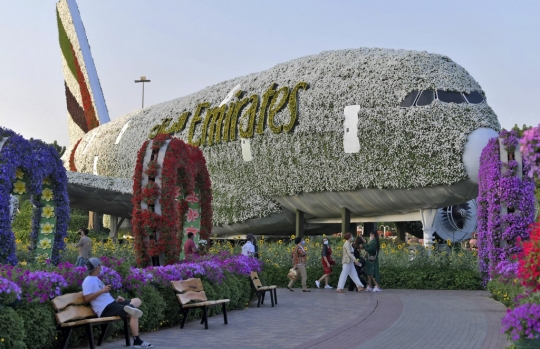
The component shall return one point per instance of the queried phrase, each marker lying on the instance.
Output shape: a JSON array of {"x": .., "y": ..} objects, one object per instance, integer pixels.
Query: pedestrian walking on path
[
  {"x": 327, "y": 262},
  {"x": 299, "y": 264},
  {"x": 348, "y": 263},
  {"x": 372, "y": 263}
]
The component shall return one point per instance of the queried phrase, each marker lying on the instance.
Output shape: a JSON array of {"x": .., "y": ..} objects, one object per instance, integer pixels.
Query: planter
[{"x": 527, "y": 343}]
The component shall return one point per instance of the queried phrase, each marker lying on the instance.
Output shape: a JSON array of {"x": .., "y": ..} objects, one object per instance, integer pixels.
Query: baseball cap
[{"x": 92, "y": 264}]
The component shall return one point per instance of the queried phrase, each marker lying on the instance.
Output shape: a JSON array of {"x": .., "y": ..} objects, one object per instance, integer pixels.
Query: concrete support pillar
[
  {"x": 113, "y": 234},
  {"x": 428, "y": 218},
  {"x": 401, "y": 230},
  {"x": 299, "y": 223},
  {"x": 95, "y": 221},
  {"x": 345, "y": 221}
]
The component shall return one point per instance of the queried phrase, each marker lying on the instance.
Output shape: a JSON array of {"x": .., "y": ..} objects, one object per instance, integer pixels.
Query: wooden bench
[
  {"x": 191, "y": 295},
  {"x": 261, "y": 290},
  {"x": 73, "y": 311}
]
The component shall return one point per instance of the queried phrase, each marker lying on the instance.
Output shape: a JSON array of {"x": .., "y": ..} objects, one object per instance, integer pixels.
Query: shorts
[
  {"x": 81, "y": 262},
  {"x": 116, "y": 309}
]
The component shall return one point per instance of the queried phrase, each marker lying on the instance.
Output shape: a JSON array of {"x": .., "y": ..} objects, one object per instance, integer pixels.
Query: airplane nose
[{"x": 476, "y": 141}]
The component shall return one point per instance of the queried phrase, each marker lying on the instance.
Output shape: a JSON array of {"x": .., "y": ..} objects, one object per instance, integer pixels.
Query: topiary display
[{"x": 12, "y": 329}]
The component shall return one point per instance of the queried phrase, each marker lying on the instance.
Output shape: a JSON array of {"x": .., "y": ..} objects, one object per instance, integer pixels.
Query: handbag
[
  {"x": 292, "y": 274},
  {"x": 373, "y": 258},
  {"x": 331, "y": 261}
]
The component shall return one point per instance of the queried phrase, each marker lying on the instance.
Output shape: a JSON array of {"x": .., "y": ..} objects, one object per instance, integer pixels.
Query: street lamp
[{"x": 143, "y": 80}]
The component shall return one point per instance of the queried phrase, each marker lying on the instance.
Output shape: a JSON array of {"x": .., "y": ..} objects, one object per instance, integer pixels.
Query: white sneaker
[
  {"x": 318, "y": 283},
  {"x": 376, "y": 289},
  {"x": 328, "y": 286},
  {"x": 133, "y": 311},
  {"x": 369, "y": 289}
]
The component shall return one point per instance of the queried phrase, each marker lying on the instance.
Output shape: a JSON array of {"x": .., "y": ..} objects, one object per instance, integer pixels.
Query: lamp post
[
  {"x": 385, "y": 228},
  {"x": 143, "y": 80}
]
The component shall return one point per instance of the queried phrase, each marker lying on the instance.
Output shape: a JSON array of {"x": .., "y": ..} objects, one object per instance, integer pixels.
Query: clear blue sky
[{"x": 183, "y": 46}]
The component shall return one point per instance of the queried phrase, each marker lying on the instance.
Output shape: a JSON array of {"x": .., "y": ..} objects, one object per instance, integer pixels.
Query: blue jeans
[{"x": 81, "y": 262}]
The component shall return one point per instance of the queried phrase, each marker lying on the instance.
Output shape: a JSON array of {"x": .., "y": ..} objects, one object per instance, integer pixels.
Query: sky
[{"x": 184, "y": 46}]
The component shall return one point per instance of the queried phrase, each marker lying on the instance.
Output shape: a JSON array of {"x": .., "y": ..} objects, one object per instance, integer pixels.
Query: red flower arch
[{"x": 167, "y": 170}]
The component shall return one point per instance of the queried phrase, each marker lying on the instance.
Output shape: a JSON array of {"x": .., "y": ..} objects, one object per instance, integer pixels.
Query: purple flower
[
  {"x": 522, "y": 322},
  {"x": 9, "y": 291}
]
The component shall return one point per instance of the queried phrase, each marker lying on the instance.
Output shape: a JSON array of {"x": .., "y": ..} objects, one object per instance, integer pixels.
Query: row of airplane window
[{"x": 426, "y": 97}]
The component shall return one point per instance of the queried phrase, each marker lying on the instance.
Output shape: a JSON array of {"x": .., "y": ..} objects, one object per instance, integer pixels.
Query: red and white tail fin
[{"x": 84, "y": 97}]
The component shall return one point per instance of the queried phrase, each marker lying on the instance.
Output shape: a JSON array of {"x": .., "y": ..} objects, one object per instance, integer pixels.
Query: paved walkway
[{"x": 326, "y": 319}]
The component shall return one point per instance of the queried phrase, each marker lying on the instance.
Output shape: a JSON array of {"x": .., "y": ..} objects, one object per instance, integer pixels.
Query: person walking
[
  {"x": 85, "y": 247},
  {"x": 327, "y": 262},
  {"x": 372, "y": 263},
  {"x": 348, "y": 262},
  {"x": 299, "y": 263},
  {"x": 190, "y": 248}
]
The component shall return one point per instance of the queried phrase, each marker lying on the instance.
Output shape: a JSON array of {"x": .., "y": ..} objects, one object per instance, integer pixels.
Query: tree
[
  {"x": 60, "y": 149},
  {"x": 520, "y": 130}
]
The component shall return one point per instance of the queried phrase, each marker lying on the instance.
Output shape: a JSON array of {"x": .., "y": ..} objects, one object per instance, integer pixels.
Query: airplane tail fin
[{"x": 84, "y": 97}]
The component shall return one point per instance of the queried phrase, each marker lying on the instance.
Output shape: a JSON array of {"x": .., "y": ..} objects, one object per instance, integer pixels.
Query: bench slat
[
  {"x": 91, "y": 321},
  {"x": 257, "y": 282},
  {"x": 192, "y": 296},
  {"x": 188, "y": 285},
  {"x": 63, "y": 301},
  {"x": 74, "y": 312},
  {"x": 203, "y": 304}
]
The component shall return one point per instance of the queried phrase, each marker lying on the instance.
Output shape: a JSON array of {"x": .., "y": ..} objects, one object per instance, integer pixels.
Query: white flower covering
[
  {"x": 399, "y": 148},
  {"x": 120, "y": 185}
]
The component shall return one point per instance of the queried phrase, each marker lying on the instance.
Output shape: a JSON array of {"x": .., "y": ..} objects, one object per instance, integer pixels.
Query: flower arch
[
  {"x": 505, "y": 203},
  {"x": 33, "y": 167},
  {"x": 171, "y": 190}
]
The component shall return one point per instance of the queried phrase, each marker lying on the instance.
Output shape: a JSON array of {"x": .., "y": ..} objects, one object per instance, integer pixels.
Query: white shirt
[
  {"x": 248, "y": 249},
  {"x": 93, "y": 284}
]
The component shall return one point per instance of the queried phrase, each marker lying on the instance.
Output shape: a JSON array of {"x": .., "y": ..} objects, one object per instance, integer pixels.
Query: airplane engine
[{"x": 456, "y": 223}]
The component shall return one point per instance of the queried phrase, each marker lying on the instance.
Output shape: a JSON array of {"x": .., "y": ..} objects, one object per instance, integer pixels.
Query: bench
[
  {"x": 73, "y": 311},
  {"x": 261, "y": 290},
  {"x": 190, "y": 294}
]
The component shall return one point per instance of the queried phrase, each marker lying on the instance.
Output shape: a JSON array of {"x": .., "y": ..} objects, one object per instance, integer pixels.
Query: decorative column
[{"x": 428, "y": 218}]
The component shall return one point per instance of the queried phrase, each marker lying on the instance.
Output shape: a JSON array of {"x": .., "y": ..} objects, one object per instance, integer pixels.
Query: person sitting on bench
[{"x": 104, "y": 305}]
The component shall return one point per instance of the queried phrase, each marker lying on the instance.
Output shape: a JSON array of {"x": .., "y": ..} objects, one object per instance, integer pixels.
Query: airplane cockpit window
[
  {"x": 450, "y": 97},
  {"x": 409, "y": 100},
  {"x": 475, "y": 97},
  {"x": 425, "y": 98}
]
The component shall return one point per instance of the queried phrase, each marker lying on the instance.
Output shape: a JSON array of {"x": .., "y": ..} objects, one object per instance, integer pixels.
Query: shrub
[
  {"x": 504, "y": 292},
  {"x": 153, "y": 307},
  {"x": 39, "y": 324},
  {"x": 12, "y": 330}
]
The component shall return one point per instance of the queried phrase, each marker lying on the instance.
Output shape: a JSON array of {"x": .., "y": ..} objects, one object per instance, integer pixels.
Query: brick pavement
[{"x": 326, "y": 319}]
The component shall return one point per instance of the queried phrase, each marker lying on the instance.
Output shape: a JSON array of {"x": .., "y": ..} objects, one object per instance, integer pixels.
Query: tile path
[{"x": 325, "y": 319}]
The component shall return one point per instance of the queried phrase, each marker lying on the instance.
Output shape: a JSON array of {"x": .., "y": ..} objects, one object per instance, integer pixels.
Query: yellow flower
[
  {"x": 323, "y": 235},
  {"x": 460, "y": 254},
  {"x": 280, "y": 242},
  {"x": 46, "y": 228},
  {"x": 393, "y": 251},
  {"x": 66, "y": 240},
  {"x": 307, "y": 241},
  {"x": 292, "y": 237},
  {"x": 47, "y": 194},
  {"x": 19, "y": 173},
  {"x": 19, "y": 187},
  {"x": 449, "y": 242},
  {"x": 416, "y": 252},
  {"x": 42, "y": 258},
  {"x": 262, "y": 237},
  {"x": 383, "y": 245},
  {"x": 48, "y": 211},
  {"x": 23, "y": 263},
  {"x": 399, "y": 246},
  {"x": 44, "y": 243},
  {"x": 432, "y": 247},
  {"x": 47, "y": 181}
]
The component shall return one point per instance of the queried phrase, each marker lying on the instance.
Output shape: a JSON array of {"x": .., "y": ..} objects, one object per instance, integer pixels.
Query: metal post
[{"x": 143, "y": 80}]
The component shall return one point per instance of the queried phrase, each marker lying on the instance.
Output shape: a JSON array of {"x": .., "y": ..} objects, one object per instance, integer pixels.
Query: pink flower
[
  {"x": 192, "y": 215},
  {"x": 191, "y": 230},
  {"x": 192, "y": 198}
]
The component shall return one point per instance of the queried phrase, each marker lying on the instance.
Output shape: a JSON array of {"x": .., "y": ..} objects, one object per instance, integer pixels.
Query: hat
[
  {"x": 92, "y": 264},
  {"x": 249, "y": 236}
]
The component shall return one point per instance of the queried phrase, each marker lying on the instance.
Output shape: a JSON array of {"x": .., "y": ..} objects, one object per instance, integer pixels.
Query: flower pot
[{"x": 527, "y": 343}]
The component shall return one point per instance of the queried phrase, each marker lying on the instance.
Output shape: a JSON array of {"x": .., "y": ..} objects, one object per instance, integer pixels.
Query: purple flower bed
[
  {"x": 45, "y": 285},
  {"x": 522, "y": 322},
  {"x": 9, "y": 291},
  {"x": 497, "y": 234},
  {"x": 530, "y": 150}
]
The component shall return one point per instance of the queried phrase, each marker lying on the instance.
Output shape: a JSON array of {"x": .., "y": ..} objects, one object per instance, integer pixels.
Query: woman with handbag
[
  {"x": 327, "y": 263},
  {"x": 348, "y": 262},
  {"x": 372, "y": 262},
  {"x": 299, "y": 263}
]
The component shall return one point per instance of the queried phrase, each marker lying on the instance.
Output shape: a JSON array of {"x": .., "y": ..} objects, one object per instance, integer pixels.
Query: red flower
[{"x": 192, "y": 230}]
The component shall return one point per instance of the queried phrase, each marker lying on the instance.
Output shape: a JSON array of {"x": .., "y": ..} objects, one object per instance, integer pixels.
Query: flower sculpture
[
  {"x": 166, "y": 188},
  {"x": 33, "y": 167},
  {"x": 499, "y": 186}
]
